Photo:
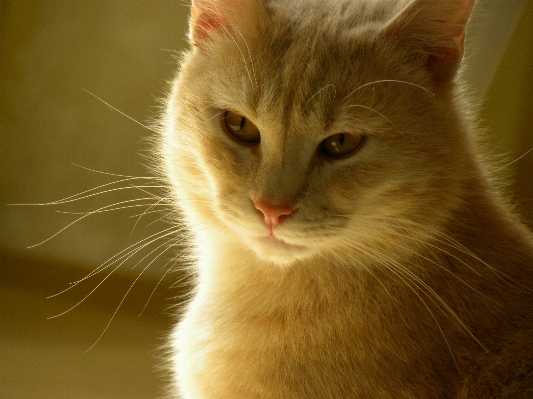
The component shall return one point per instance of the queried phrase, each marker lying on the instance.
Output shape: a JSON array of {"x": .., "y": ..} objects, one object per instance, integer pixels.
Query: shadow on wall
[{"x": 508, "y": 114}]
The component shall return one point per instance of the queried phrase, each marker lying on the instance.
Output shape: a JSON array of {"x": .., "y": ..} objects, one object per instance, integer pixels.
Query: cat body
[{"x": 346, "y": 237}]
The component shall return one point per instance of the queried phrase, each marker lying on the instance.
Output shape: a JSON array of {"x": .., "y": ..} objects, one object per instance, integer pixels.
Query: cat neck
[{"x": 457, "y": 257}]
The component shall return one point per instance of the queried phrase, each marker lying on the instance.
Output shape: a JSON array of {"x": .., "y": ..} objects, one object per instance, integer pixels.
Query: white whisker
[
  {"x": 516, "y": 160},
  {"x": 173, "y": 260},
  {"x": 119, "y": 111},
  {"x": 431, "y": 94},
  {"x": 376, "y": 112},
  {"x": 317, "y": 93},
  {"x": 124, "y": 298},
  {"x": 120, "y": 255},
  {"x": 396, "y": 272},
  {"x": 251, "y": 60}
]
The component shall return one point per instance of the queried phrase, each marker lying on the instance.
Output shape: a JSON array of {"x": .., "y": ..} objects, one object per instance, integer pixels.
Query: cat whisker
[
  {"x": 168, "y": 269},
  {"x": 106, "y": 277},
  {"x": 443, "y": 303},
  {"x": 317, "y": 93},
  {"x": 115, "y": 209},
  {"x": 230, "y": 34},
  {"x": 203, "y": 109},
  {"x": 451, "y": 241},
  {"x": 380, "y": 258},
  {"x": 371, "y": 273},
  {"x": 71, "y": 224},
  {"x": 158, "y": 211},
  {"x": 130, "y": 251},
  {"x": 516, "y": 160},
  {"x": 376, "y": 112},
  {"x": 119, "y": 111},
  {"x": 194, "y": 105},
  {"x": 124, "y": 298},
  {"x": 85, "y": 195},
  {"x": 445, "y": 269},
  {"x": 158, "y": 203},
  {"x": 216, "y": 115},
  {"x": 117, "y": 257},
  {"x": 164, "y": 244},
  {"x": 414, "y": 252},
  {"x": 162, "y": 218},
  {"x": 464, "y": 250},
  {"x": 148, "y": 213},
  {"x": 142, "y": 188},
  {"x": 251, "y": 60},
  {"x": 431, "y": 94},
  {"x": 419, "y": 281},
  {"x": 427, "y": 243},
  {"x": 115, "y": 174},
  {"x": 455, "y": 245},
  {"x": 107, "y": 208}
]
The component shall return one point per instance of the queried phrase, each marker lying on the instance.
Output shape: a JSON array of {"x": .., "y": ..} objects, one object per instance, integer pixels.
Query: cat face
[{"x": 298, "y": 142}]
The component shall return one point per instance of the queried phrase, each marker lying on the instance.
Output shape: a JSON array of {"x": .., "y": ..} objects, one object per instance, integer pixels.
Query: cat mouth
[
  {"x": 273, "y": 248},
  {"x": 274, "y": 243}
]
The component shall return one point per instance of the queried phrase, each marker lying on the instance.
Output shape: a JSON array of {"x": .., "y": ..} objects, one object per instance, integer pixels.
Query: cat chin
[{"x": 275, "y": 250}]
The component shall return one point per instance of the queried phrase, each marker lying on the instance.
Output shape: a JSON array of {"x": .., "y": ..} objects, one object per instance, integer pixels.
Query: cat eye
[
  {"x": 340, "y": 144},
  {"x": 240, "y": 128}
]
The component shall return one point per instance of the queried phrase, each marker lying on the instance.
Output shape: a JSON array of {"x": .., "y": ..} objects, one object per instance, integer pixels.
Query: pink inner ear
[
  {"x": 205, "y": 22},
  {"x": 461, "y": 18},
  {"x": 447, "y": 60},
  {"x": 436, "y": 26}
]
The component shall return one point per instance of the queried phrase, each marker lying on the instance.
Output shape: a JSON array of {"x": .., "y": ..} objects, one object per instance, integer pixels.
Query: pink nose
[{"x": 273, "y": 214}]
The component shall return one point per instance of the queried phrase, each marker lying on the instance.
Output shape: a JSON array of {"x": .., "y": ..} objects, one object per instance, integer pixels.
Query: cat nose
[{"x": 273, "y": 214}]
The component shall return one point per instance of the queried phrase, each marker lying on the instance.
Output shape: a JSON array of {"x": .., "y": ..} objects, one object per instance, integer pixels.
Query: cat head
[{"x": 312, "y": 128}]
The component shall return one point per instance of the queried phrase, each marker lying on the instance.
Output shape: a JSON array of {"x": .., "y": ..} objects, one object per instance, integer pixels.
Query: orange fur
[{"x": 402, "y": 273}]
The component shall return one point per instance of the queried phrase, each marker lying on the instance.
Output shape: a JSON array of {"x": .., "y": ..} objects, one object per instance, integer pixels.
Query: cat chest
[{"x": 299, "y": 353}]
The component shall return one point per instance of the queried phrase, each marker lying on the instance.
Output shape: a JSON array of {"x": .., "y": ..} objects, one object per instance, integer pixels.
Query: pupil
[
  {"x": 341, "y": 139},
  {"x": 243, "y": 121}
]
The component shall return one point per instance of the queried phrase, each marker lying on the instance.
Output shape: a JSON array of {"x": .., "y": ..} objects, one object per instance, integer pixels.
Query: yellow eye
[
  {"x": 240, "y": 128},
  {"x": 340, "y": 145}
]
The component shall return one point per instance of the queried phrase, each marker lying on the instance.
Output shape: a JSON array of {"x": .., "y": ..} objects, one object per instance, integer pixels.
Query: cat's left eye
[
  {"x": 240, "y": 128},
  {"x": 340, "y": 145}
]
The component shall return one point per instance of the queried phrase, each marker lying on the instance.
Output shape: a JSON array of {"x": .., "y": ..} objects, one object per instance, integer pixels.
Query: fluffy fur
[{"x": 402, "y": 273}]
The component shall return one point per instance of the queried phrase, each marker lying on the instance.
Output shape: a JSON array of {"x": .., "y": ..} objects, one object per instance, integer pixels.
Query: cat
[{"x": 347, "y": 238}]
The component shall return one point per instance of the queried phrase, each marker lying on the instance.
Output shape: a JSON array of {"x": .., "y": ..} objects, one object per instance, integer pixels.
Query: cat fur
[{"x": 403, "y": 273}]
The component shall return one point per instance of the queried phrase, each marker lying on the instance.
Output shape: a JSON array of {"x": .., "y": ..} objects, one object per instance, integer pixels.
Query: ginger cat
[{"x": 346, "y": 237}]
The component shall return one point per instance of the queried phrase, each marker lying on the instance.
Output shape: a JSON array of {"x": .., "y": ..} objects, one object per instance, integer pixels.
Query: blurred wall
[
  {"x": 123, "y": 51},
  {"x": 507, "y": 113},
  {"x": 50, "y": 51}
]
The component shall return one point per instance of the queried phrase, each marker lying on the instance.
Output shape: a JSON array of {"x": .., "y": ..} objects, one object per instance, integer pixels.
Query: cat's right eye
[
  {"x": 340, "y": 145},
  {"x": 240, "y": 128}
]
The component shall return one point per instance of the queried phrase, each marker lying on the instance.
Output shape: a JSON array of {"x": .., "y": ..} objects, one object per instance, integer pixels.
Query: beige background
[
  {"x": 49, "y": 52},
  {"x": 122, "y": 51}
]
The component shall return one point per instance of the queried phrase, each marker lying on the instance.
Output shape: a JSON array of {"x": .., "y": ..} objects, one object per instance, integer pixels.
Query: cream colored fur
[{"x": 403, "y": 273}]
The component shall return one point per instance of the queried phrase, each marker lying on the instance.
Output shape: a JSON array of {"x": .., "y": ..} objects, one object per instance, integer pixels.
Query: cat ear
[
  {"x": 206, "y": 19},
  {"x": 210, "y": 18},
  {"x": 434, "y": 29}
]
